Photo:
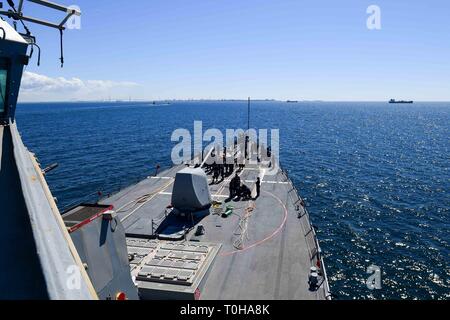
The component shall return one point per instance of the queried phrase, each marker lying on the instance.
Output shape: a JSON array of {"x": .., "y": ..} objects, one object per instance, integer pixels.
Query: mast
[{"x": 248, "y": 115}]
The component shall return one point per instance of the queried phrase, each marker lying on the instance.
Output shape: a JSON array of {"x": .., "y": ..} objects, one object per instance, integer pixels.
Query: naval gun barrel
[{"x": 50, "y": 168}]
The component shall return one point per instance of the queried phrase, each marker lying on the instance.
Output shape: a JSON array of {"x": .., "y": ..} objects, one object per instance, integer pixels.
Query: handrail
[{"x": 318, "y": 253}]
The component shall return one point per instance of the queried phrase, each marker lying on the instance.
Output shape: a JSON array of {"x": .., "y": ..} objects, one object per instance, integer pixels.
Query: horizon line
[{"x": 219, "y": 100}]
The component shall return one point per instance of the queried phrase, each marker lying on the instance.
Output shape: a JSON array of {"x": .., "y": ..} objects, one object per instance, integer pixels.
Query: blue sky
[{"x": 283, "y": 49}]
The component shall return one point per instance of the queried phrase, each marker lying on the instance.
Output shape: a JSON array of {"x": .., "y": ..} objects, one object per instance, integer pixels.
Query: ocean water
[{"x": 375, "y": 176}]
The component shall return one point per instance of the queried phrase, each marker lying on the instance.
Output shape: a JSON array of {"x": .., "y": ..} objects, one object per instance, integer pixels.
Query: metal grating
[
  {"x": 139, "y": 251},
  {"x": 142, "y": 243},
  {"x": 169, "y": 263},
  {"x": 185, "y": 247},
  {"x": 83, "y": 212}
]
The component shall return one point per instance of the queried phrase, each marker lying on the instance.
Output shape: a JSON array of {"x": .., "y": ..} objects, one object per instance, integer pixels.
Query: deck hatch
[
  {"x": 143, "y": 243},
  {"x": 139, "y": 251},
  {"x": 171, "y": 270}
]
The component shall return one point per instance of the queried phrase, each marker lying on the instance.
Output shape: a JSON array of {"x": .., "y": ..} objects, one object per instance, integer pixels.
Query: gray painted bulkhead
[
  {"x": 36, "y": 251},
  {"x": 101, "y": 245},
  {"x": 22, "y": 274}
]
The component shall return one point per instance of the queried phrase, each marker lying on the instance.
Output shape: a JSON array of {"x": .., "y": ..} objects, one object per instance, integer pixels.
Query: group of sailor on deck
[
  {"x": 225, "y": 168},
  {"x": 242, "y": 191}
]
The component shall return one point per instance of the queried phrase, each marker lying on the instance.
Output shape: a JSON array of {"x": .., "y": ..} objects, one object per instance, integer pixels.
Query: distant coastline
[{"x": 216, "y": 100}]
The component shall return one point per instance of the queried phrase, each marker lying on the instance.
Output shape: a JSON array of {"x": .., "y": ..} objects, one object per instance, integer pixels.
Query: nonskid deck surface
[{"x": 267, "y": 245}]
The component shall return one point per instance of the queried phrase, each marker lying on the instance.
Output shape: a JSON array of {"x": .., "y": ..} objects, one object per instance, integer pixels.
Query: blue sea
[{"x": 375, "y": 176}]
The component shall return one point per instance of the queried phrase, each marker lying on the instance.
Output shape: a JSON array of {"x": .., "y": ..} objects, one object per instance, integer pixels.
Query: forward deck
[{"x": 267, "y": 245}]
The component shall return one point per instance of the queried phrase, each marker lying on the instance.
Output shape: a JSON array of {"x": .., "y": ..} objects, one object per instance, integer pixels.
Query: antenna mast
[
  {"x": 17, "y": 14},
  {"x": 248, "y": 115}
]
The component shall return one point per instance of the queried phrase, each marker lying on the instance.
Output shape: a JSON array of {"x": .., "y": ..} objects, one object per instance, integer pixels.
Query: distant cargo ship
[
  {"x": 157, "y": 103},
  {"x": 400, "y": 101},
  {"x": 292, "y": 101}
]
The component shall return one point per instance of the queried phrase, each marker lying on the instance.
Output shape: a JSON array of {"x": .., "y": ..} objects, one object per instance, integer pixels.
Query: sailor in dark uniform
[
  {"x": 215, "y": 173},
  {"x": 245, "y": 192},
  {"x": 258, "y": 188},
  {"x": 222, "y": 171},
  {"x": 235, "y": 184}
]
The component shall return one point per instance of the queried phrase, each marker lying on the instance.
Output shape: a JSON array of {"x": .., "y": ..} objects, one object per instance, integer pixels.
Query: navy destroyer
[{"x": 179, "y": 234}]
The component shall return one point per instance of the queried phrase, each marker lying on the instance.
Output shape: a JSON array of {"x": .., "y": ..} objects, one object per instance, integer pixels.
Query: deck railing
[{"x": 315, "y": 250}]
